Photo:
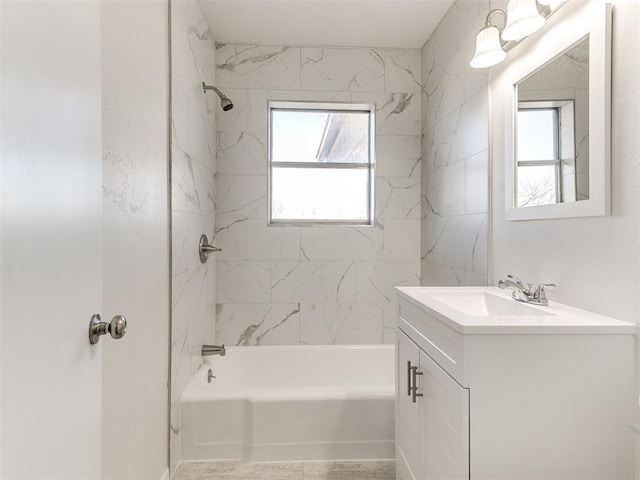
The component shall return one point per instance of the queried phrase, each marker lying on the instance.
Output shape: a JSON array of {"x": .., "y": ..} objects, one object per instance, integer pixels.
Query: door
[{"x": 50, "y": 239}]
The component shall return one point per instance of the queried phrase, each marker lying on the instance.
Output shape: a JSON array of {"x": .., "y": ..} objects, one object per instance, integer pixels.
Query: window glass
[
  {"x": 537, "y": 185},
  {"x": 536, "y": 134},
  {"x": 320, "y": 136},
  {"x": 320, "y": 163},
  {"x": 327, "y": 193}
]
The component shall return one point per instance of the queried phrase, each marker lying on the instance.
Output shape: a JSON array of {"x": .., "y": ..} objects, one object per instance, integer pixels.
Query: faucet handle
[{"x": 540, "y": 293}]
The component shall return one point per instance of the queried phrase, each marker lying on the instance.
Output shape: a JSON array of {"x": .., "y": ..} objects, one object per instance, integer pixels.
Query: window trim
[{"x": 333, "y": 107}]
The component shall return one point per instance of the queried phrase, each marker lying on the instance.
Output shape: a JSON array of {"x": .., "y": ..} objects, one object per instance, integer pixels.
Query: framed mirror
[{"x": 557, "y": 125}]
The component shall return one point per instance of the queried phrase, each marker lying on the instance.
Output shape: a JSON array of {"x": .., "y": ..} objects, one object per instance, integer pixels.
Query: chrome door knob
[{"x": 116, "y": 328}]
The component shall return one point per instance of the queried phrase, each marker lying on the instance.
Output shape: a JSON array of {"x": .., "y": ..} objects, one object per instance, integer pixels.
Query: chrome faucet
[
  {"x": 526, "y": 294},
  {"x": 213, "y": 350},
  {"x": 520, "y": 292}
]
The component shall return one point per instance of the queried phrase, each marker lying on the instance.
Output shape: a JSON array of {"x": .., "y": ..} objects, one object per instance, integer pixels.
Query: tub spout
[{"x": 213, "y": 350}]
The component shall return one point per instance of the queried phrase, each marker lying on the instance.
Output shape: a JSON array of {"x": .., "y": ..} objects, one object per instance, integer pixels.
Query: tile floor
[{"x": 237, "y": 470}]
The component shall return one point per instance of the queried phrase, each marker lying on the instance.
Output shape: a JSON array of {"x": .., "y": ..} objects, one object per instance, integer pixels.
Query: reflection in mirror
[{"x": 552, "y": 125}]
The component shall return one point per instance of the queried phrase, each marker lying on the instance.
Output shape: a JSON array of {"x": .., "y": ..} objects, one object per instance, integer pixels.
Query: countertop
[{"x": 519, "y": 318}]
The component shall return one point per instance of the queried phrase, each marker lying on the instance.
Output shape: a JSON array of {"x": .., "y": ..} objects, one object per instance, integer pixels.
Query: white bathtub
[{"x": 292, "y": 403}]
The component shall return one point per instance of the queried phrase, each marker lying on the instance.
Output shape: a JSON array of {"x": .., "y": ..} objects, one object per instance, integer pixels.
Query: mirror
[
  {"x": 557, "y": 116},
  {"x": 552, "y": 131}
]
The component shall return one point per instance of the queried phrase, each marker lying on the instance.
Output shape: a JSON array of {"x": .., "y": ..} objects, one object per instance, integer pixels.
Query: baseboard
[{"x": 165, "y": 475}]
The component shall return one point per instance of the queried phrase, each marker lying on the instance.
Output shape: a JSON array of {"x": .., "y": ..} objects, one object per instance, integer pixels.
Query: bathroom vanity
[{"x": 491, "y": 388}]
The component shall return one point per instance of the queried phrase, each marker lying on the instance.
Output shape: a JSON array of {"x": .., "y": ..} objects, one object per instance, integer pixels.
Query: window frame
[{"x": 330, "y": 107}]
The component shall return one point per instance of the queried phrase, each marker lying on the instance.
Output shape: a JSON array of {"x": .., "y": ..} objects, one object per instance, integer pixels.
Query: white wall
[
  {"x": 455, "y": 152},
  {"x": 193, "y": 133},
  {"x": 314, "y": 285},
  {"x": 594, "y": 261},
  {"x": 135, "y": 237}
]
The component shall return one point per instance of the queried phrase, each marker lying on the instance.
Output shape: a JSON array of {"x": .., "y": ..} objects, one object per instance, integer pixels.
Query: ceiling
[{"x": 349, "y": 23}]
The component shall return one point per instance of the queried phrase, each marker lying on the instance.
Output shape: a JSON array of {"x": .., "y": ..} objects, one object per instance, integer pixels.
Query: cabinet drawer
[{"x": 440, "y": 342}]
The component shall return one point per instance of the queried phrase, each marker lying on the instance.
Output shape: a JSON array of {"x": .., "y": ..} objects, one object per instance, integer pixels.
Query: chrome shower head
[{"x": 225, "y": 103}]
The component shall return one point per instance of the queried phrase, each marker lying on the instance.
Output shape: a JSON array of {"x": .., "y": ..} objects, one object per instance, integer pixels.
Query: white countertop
[{"x": 486, "y": 310}]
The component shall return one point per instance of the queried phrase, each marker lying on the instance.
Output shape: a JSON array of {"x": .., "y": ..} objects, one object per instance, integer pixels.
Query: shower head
[{"x": 225, "y": 103}]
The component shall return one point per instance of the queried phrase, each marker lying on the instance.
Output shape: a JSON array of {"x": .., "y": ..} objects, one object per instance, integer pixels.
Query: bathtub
[{"x": 292, "y": 403}]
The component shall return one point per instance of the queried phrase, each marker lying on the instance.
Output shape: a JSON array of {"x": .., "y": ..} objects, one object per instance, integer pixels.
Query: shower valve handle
[{"x": 204, "y": 249}]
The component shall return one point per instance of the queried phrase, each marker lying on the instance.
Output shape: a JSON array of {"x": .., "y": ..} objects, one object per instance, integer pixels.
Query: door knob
[{"x": 117, "y": 328}]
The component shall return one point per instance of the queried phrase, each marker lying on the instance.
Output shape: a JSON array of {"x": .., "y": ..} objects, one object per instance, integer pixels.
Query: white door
[{"x": 50, "y": 238}]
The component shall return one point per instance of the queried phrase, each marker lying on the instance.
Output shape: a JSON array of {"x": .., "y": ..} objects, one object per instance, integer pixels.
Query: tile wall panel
[
  {"x": 455, "y": 143},
  {"x": 314, "y": 285}
]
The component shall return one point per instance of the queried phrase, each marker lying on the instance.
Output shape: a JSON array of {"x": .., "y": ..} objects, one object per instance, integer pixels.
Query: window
[
  {"x": 321, "y": 163},
  {"x": 546, "y": 155}
]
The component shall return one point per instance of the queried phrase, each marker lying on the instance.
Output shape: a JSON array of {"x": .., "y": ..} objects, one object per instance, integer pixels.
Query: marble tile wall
[
  {"x": 455, "y": 155},
  {"x": 193, "y": 146},
  {"x": 314, "y": 285}
]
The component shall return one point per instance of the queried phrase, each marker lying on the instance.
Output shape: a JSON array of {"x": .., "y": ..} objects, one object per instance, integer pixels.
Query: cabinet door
[
  {"x": 444, "y": 424},
  {"x": 407, "y": 412}
]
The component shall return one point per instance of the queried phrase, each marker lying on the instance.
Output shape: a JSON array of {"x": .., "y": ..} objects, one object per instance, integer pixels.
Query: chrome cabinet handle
[
  {"x": 117, "y": 328},
  {"x": 409, "y": 378},
  {"x": 415, "y": 393}
]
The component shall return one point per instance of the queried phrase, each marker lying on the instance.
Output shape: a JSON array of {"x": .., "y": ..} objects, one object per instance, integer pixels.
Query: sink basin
[
  {"x": 485, "y": 304},
  {"x": 482, "y": 310}
]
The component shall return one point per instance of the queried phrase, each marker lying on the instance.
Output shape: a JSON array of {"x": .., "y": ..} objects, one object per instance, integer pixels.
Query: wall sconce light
[
  {"x": 521, "y": 20},
  {"x": 488, "y": 46}
]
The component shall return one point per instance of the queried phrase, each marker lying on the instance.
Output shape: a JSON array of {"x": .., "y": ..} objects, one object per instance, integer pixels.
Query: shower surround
[{"x": 314, "y": 285}]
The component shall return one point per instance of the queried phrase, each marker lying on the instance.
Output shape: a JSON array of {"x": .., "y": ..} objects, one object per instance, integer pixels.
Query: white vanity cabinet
[{"x": 518, "y": 395}]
